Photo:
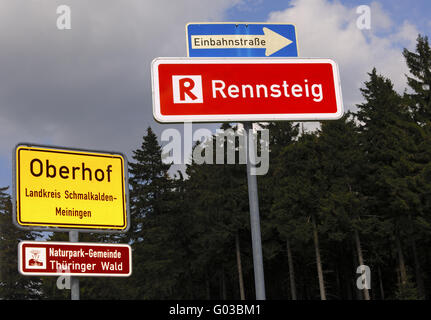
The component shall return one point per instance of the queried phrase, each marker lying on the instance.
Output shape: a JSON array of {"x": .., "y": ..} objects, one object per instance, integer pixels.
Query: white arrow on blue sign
[{"x": 230, "y": 39}]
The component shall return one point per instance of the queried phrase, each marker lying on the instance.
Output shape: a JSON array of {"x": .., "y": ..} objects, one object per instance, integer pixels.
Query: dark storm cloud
[{"x": 90, "y": 86}]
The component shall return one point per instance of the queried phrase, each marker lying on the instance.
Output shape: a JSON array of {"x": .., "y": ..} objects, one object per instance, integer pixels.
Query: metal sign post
[
  {"x": 254, "y": 215},
  {"x": 74, "y": 281}
]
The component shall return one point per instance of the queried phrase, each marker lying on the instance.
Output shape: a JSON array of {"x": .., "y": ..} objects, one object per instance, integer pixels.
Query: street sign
[
  {"x": 242, "y": 39},
  {"x": 46, "y": 258},
  {"x": 245, "y": 89},
  {"x": 69, "y": 189}
]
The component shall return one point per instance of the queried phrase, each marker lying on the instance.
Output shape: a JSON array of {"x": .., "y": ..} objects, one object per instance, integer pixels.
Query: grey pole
[
  {"x": 256, "y": 241},
  {"x": 74, "y": 281}
]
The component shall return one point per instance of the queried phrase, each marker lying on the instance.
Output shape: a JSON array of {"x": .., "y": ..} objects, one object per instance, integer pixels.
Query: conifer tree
[
  {"x": 419, "y": 64},
  {"x": 419, "y": 101},
  {"x": 281, "y": 135},
  {"x": 388, "y": 137},
  {"x": 153, "y": 218},
  {"x": 220, "y": 209},
  {"x": 342, "y": 205},
  {"x": 298, "y": 195}
]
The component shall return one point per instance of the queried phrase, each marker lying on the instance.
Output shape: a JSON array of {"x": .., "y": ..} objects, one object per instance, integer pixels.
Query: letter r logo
[{"x": 187, "y": 89}]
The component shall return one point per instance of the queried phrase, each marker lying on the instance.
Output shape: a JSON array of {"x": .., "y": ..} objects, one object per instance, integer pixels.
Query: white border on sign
[
  {"x": 240, "y": 23},
  {"x": 243, "y": 117},
  {"x": 45, "y": 243}
]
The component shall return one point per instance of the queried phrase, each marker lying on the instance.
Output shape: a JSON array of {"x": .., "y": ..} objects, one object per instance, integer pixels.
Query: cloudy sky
[{"x": 90, "y": 86}]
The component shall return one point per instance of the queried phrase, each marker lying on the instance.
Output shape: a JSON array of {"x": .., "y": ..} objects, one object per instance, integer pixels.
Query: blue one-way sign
[{"x": 230, "y": 39}]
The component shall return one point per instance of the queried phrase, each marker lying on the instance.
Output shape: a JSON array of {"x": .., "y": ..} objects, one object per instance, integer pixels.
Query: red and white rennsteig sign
[
  {"x": 47, "y": 258},
  {"x": 245, "y": 89}
]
